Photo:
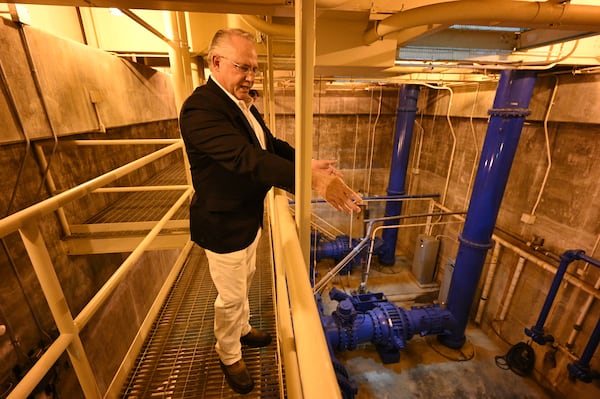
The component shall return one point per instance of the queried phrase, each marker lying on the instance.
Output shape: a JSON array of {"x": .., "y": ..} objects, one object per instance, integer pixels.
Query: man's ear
[{"x": 216, "y": 61}]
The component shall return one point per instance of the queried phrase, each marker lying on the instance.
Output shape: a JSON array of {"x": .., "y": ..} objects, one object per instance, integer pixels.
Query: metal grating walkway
[
  {"x": 147, "y": 205},
  {"x": 178, "y": 359}
]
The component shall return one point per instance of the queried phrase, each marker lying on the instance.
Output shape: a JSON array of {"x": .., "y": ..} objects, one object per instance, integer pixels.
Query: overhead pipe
[
  {"x": 283, "y": 30},
  {"x": 581, "y": 368},
  {"x": 269, "y": 28},
  {"x": 539, "y": 14},
  {"x": 506, "y": 121},
  {"x": 405, "y": 120}
]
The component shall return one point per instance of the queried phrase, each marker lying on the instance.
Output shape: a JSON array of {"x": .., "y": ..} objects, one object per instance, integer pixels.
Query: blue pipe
[
  {"x": 504, "y": 129},
  {"x": 537, "y": 331},
  {"x": 405, "y": 119},
  {"x": 581, "y": 368},
  {"x": 371, "y": 318}
]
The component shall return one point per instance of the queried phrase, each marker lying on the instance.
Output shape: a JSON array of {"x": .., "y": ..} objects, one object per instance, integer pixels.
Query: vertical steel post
[
  {"x": 305, "y": 12},
  {"x": 504, "y": 130},
  {"x": 405, "y": 120}
]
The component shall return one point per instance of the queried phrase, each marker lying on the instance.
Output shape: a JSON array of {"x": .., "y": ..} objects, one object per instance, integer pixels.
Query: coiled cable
[{"x": 520, "y": 359}]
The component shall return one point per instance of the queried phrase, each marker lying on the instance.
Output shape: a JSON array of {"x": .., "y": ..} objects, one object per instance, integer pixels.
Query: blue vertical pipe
[
  {"x": 537, "y": 331},
  {"x": 504, "y": 129},
  {"x": 581, "y": 368},
  {"x": 405, "y": 119}
]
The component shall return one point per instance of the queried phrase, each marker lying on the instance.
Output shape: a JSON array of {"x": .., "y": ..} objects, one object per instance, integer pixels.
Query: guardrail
[
  {"x": 69, "y": 327},
  {"x": 308, "y": 368}
]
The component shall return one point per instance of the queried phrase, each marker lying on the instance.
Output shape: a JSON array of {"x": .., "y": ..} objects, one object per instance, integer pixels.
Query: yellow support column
[{"x": 305, "y": 62}]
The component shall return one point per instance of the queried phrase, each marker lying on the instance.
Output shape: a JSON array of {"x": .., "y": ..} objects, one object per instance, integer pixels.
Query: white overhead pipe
[
  {"x": 563, "y": 16},
  {"x": 269, "y": 28},
  {"x": 283, "y": 30}
]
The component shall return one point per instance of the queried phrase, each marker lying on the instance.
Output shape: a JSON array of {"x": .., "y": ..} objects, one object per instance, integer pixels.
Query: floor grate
[
  {"x": 178, "y": 359},
  {"x": 147, "y": 205}
]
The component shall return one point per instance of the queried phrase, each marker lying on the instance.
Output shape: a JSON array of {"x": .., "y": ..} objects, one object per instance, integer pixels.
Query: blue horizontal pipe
[{"x": 504, "y": 129}]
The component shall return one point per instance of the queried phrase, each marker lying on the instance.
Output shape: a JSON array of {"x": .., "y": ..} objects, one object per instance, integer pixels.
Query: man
[{"x": 234, "y": 161}]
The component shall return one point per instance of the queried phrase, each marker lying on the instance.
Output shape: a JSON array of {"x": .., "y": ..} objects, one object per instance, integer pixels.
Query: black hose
[{"x": 520, "y": 359}]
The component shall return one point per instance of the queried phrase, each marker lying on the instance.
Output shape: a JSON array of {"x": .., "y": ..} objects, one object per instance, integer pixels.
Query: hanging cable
[
  {"x": 40, "y": 93},
  {"x": 17, "y": 118},
  {"x": 548, "y": 149},
  {"x": 476, "y": 146},
  {"x": 355, "y": 150},
  {"x": 318, "y": 126},
  {"x": 452, "y": 152},
  {"x": 368, "y": 144},
  {"x": 370, "y": 167}
]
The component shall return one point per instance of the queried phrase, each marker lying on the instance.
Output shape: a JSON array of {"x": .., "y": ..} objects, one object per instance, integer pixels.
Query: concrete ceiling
[{"x": 394, "y": 38}]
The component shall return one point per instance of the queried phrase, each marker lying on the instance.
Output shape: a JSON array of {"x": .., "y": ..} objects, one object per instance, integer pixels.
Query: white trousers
[{"x": 232, "y": 275}]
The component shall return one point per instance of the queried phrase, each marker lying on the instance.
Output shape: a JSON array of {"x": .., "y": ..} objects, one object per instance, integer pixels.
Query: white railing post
[{"x": 44, "y": 269}]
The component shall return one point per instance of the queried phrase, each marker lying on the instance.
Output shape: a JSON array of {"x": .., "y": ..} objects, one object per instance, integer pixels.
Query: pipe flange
[
  {"x": 474, "y": 244},
  {"x": 377, "y": 332},
  {"x": 510, "y": 112}
]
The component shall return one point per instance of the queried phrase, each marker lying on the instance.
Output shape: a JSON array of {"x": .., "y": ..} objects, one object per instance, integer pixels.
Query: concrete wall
[{"x": 58, "y": 87}]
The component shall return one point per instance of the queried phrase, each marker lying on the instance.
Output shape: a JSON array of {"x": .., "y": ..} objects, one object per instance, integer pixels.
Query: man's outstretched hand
[{"x": 327, "y": 182}]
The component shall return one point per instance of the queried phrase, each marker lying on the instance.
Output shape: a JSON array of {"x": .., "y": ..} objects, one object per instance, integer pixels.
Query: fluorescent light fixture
[
  {"x": 487, "y": 28},
  {"x": 116, "y": 12}
]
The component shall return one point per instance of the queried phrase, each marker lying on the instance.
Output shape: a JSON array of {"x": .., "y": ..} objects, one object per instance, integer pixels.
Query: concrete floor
[{"x": 426, "y": 369}]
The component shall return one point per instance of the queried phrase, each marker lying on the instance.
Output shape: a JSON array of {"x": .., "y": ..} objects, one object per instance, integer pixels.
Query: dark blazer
[{"x": 230, "y": 172}]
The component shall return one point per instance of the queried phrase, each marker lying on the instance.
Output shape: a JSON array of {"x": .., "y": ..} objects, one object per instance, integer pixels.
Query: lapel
[
  {"x": 237, "y": 114},
  {"x": 266, "y": 131}
]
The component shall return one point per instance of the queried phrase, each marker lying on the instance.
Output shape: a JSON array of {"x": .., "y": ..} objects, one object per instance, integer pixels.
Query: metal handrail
[
  {"x": 25, "y": 222},
  {"x": 13, "y": 222},
  {"x": 305, "y": 348}
]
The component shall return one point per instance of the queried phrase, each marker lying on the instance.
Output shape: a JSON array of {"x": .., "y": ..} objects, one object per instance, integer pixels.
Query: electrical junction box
[
  {"x": 426, "y": 251},
  {"x": 445, "y": 287}
]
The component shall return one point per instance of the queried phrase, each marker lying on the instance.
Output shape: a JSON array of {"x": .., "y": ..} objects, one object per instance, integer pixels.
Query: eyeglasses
[{"x": 242, "y": 68}]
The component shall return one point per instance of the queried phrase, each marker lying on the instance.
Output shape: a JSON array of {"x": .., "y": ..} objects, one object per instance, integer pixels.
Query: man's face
[{"x": 234, "y": 67}]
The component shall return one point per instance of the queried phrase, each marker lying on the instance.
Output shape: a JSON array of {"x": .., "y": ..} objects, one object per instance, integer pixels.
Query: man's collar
[{"x": 235, "y": 100}]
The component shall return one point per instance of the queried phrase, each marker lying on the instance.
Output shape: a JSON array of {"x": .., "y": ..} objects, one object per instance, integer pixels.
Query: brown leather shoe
[
  {"x": 238, "y": 377},
  {"x": 256, "y": 338}
]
